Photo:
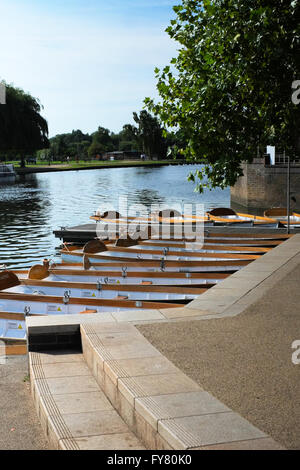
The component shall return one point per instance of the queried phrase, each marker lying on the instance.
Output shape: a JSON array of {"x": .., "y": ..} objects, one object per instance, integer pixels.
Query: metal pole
[{"x": 288, "y": 194}]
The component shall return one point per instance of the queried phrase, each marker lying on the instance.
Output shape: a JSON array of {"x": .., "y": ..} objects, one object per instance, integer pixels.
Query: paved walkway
[
  {"x": 20, "y": 428},
  {"x": 246, "y": 361}
]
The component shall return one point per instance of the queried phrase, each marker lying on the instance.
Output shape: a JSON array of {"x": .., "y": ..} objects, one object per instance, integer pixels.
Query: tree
[
  {"x": 150, "y": 135},
  {"x": 22, "y": 128},
  {"x": 102, "y": 142},
  {"x": 74, "y": 145},
  {"x": 229, "y": 88},
  {"x": 128, "y": 138}
]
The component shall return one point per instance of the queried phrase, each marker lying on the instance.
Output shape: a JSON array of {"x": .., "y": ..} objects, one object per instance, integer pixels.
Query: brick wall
[{"x": 264, "y": 186}]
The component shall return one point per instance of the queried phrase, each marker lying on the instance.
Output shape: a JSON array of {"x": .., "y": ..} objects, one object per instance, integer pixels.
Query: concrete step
[
  {"x": 163, "y": 407},
  {"x": 74, "y": 412}
]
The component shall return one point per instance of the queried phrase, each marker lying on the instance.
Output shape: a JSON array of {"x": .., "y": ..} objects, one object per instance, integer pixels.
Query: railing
[{"x": 282, "y": 159}]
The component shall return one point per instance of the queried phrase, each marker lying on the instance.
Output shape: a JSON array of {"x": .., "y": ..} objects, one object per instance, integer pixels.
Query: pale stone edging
[{"x": 162, "y": 406}]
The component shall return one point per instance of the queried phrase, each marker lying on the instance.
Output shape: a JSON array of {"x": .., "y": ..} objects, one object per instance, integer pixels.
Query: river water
[{"x": 36, "y": 204}]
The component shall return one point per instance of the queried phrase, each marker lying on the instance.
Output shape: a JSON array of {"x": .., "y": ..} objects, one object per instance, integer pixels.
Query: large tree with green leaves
[
  {"x": 229, "y": 89},
  {"x": 102, "y": 142},
  {"x": 22, "y": 128},
  {"x": 150, "y": 135}
]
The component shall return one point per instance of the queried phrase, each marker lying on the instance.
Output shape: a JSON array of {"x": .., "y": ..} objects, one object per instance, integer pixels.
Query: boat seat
[
  {"x": 219, "y": 211},
  {"x": 94, "y": 246}
]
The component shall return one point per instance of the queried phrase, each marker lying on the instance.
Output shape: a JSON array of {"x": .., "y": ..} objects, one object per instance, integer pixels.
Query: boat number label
[{"x": 296, "y": 353}]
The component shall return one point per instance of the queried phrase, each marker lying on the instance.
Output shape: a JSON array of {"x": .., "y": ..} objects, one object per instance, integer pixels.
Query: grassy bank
[{"x": 41, "y": 167}]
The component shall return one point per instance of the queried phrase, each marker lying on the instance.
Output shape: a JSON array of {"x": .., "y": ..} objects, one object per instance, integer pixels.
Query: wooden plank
[
  {"x": 16, "y": 349},
  {"x": 12, "y": 316}
]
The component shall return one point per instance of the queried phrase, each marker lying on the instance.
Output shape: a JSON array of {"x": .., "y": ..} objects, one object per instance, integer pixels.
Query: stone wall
[{"x": 264, "y": 186}]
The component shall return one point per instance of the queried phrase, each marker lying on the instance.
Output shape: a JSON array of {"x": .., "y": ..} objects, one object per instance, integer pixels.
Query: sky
[{"x": 89, "y": 62}]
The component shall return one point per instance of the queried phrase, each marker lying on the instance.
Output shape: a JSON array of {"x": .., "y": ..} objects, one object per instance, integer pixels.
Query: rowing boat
[
  {"x": 217, "y": 216},
  {"x": 124, "y": 274},
  {"x": 97, "y": 250},
  {"x": 225, "y": 215},
  {"x": 281, "y": 215},
  {"x": 20, "y": 296},
  {"x": 99, "y": 290}
]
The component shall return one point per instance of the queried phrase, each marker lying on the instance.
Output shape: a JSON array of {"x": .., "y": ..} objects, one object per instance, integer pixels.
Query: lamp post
[{"x": 288, "y": 192}]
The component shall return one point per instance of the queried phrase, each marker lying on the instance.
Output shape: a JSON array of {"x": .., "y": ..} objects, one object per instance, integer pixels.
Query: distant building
[{"x": 119, "y": 155}]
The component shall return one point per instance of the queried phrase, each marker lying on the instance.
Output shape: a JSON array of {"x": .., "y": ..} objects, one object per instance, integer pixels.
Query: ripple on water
[{"x": 37, "y": 204}]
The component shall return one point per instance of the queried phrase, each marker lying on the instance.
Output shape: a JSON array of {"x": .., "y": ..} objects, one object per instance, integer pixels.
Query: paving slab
[
  {"x": 141, "y": 366},
  {"x": 207, "y": 429},
  {"x": 123, "y": 441},
  {"x": 177, "y": 405},
  {"x": 83, "y": 402}
]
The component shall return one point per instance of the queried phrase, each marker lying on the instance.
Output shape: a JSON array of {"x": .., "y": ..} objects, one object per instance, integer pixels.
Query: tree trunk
[{"x": 22, "y": 164}]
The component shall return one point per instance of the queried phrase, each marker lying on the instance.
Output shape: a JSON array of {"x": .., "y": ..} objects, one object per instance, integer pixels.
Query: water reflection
[{"x": 37, "y": 204}]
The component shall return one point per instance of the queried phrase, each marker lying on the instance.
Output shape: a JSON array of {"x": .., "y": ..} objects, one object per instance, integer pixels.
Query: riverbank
[{"x": 96, "y": 166}]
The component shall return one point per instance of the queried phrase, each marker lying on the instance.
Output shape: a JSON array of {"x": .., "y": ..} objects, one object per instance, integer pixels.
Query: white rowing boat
[
  {"x": 281, "y": 215},
  {"x": 131, "y": 275},
  {"x": 100, "y": 290},
  {"x": 14, "y": 300},
  {"x": 99, "y": 251}
]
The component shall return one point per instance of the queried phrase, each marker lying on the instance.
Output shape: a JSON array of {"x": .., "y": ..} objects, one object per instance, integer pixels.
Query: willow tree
[
  {"x": 22, "y": 128},
  {"x": 229, "y": 89}
]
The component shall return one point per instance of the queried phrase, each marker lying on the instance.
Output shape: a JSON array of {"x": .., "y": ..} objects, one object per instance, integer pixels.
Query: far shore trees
[
  {"x": 147, "y": 136},
  {"x": 229, "y": 89},
  {"x": 22, "y": 128}
]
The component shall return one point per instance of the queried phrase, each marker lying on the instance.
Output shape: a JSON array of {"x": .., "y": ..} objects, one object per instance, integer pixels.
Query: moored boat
[
  {"x": 7, "y": 173},
  {"x": 281, "y": 214},
  {"x": 228, "y": 216}
]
